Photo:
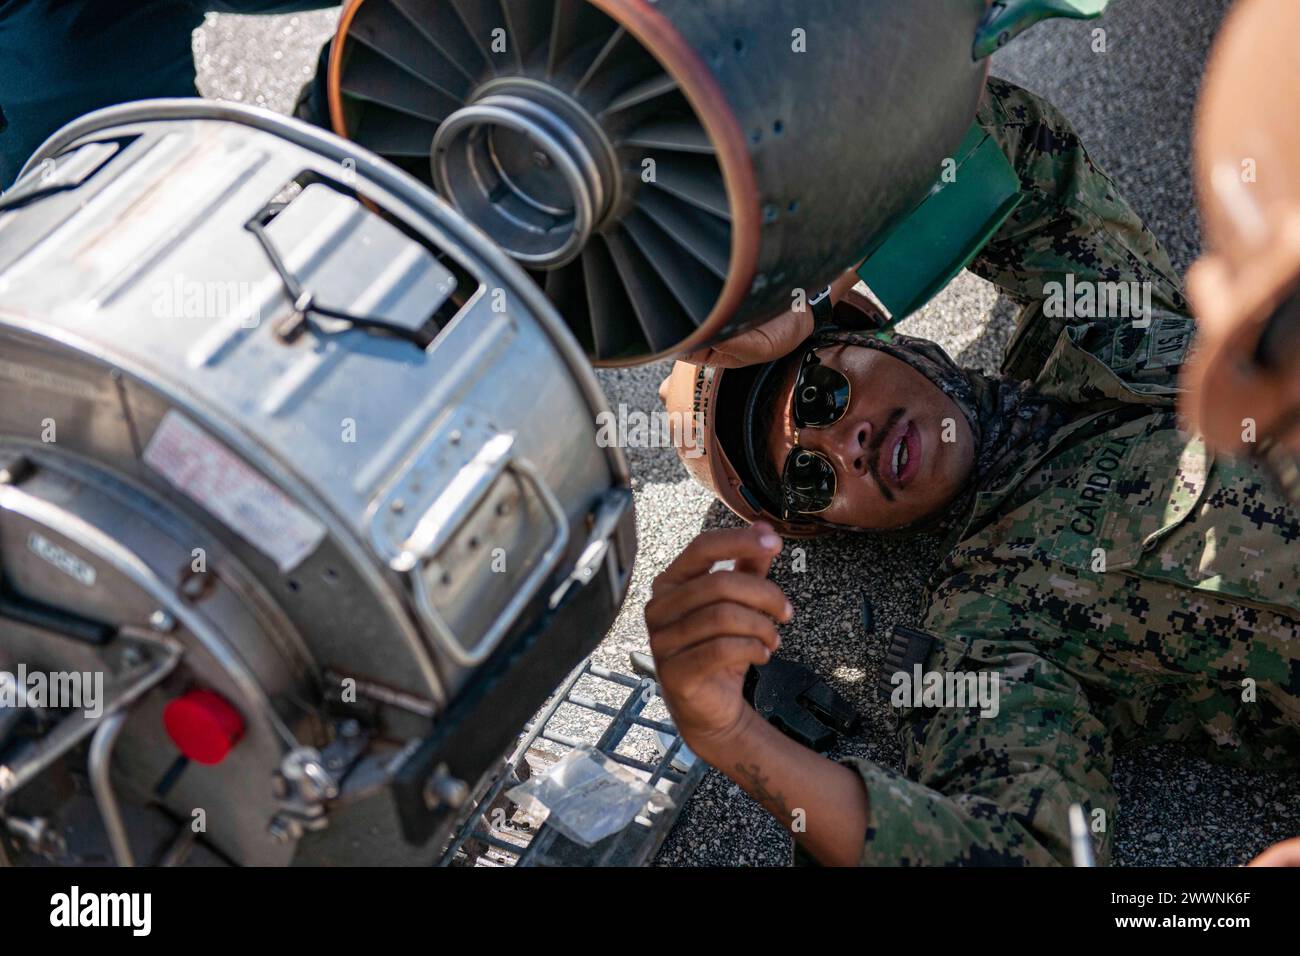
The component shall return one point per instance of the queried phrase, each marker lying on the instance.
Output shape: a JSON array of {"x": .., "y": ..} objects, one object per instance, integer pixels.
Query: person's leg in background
[
  {"x": 60, "y": 60},
  {"x": 312, "y": 105}
]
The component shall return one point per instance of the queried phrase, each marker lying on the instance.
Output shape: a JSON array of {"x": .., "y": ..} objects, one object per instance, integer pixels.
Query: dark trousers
[{"x": 60, "y": 59}]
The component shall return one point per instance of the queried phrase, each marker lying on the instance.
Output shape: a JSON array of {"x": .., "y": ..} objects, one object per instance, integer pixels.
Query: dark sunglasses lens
[
  {"x": 809, "y": 481},
  {"x": 821, "y": 396}
]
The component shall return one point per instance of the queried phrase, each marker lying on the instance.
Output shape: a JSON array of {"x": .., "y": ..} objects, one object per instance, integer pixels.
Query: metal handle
[
  {"x": 1007, "y": 19},
  {"x": 450, "y": 511},
  {"x": 604, "y": 527}
]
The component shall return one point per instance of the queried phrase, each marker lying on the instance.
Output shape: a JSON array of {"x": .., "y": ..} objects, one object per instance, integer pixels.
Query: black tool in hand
[
  {"x": 800, "y": 704},
  {"x": 789, "y": 696}
]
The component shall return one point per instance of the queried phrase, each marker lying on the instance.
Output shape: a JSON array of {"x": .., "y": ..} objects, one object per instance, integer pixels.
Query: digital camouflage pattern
[{"x": 1126, "y": 586}]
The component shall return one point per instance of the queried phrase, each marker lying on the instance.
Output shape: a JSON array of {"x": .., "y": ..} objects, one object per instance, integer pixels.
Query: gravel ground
[{"x": 1133, "y": 106}]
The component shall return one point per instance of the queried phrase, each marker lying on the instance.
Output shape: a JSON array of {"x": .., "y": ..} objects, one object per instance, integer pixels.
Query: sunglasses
[{"x": 820, "y": 399}]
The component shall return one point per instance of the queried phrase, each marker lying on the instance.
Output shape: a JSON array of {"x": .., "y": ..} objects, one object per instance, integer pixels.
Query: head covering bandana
[{"x": 1004, "y": 414}]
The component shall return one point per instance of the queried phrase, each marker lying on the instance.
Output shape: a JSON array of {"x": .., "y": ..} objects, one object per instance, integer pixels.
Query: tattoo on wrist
[{"x": 752, "y": 779}]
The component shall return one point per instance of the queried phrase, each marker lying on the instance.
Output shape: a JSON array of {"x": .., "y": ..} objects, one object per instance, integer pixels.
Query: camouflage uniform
[{"x": 1198, "y": 596}]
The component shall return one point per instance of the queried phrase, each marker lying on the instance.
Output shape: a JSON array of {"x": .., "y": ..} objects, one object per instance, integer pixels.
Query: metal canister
[{"x": 299, "y": 463}]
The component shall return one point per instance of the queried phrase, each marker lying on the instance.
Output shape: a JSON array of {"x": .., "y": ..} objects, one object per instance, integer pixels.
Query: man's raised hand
[
  {"x": 771, "y": 340},
  {"x": 706, "y": 629}
]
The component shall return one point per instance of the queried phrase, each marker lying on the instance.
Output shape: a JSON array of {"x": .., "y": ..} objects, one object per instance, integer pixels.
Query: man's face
[{"x": 892, "y": 463}]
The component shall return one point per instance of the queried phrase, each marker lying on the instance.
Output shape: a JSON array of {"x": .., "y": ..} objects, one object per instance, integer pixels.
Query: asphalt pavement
[{"x": 1133, "y": 105}]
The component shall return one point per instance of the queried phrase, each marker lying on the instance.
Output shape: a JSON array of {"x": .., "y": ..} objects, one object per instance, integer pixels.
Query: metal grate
[{"x": 495, "y": 832}]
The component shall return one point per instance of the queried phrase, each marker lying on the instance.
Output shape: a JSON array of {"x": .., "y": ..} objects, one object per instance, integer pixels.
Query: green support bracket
[
  {"x": 1007, "y": 19},
  {"x": 971, "y": 200}
]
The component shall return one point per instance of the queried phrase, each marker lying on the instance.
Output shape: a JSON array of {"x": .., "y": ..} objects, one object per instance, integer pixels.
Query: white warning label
[{"x": 208, "y": 472}]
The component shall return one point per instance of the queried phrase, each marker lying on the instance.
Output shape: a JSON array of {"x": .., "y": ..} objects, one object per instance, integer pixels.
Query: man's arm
[
  {"x": 1073, "y": 219},
  {"x": 821, "y": 802},
  {"x": 1073, "y": 229},
  {"x": 706, "y": 629},
  {"x": 1071, "y": 243},
  {"x": 989, "y": 781}
]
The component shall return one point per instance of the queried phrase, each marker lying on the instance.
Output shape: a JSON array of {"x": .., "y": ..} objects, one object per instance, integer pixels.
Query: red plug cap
[{"x": 203, "y": 726}]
